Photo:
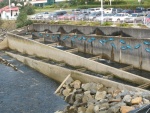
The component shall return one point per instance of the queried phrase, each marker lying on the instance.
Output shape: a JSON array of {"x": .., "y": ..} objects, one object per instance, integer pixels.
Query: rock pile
[{"x": 97, "y": 98}]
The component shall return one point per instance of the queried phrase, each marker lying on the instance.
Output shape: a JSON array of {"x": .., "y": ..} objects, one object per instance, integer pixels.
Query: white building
[
  {"x": 35, "y": 1},
  {"x": 9, "y": 13}
]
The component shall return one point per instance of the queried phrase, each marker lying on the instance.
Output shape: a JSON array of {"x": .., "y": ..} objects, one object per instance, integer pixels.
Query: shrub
[{"x": 107, "y": 24}]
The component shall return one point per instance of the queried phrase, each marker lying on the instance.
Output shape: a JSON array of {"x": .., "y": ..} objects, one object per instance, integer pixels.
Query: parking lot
[{"x": 139, "y": 15}]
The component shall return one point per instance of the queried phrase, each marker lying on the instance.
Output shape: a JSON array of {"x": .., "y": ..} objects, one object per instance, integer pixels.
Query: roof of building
[{"x": 6, "y": 9}]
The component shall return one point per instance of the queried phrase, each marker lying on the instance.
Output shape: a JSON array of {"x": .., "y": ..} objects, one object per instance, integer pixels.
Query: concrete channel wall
[
  {"x": 136, "y": 55},
  {"x": 31, "y": 47},
  {"x": 109, "y": 31},
  {"x": 59, "y": 73}
]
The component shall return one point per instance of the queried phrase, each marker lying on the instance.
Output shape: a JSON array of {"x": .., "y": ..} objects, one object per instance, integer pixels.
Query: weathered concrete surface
[
  {"x": 111, "y": 31},
  {"x": 60, "y": 73},
  {"x": 31, "y": 47},
  {"x": 3, "y": 44},
  {"x": 27, "y": 91}
]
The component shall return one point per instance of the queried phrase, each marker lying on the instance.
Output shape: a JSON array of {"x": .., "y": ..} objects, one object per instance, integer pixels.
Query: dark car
[
  {"x": 116, "y": 10},
  {"x": 129, "y": 11},
  {"x": 140, "y": 10}
]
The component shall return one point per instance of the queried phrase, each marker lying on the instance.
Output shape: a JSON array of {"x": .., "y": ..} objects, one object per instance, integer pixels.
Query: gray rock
[
  {"x": 90, "y": 108},
  {"x": 146, "y": 95},
  {"x": 70, "y": 99},
  {"x": 100, "y": 95},
  {"x": 66, "y": 109},
  {"x": 78, "y": 103},
  {"x": 89, "y": 86},
  {"x": 146, "y": 101},
  {"x": 110, "y": 90},
  {"x": 81, "y": 109},
  {"x": 69, "y": 81},
  {"x": 103, "y": 100},
  {"x": 113, "y": 103},
  {"x": 124, "y": 92},
  {"x": 105, "y": 111},
  {"x": 96, "y": 108},
  {"x": 132, "y": 93},
  {"x": 78, "y": 96},
  {"x": 104, "y": 105},
  {"x": 109, "y": 96},
  {"x": 66, "y": 91},
  {"x": 79, "y": 91},
  {"x": 127, "y": 98},
  {"x": 76, "y": 84},
  {"x": 61, "y": 91},
  {"x": 115, "y": 108},
  {"x": 87, "y": 97},
  {"x": 99, "y": 86},
  {"x": 72, "y": 109},
  {"x": 138, "y": 94}
]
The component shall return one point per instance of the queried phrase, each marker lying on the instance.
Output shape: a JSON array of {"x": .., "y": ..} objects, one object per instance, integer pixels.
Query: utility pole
[
  {"x": 101, "y": 11},
  {"x": 110, "y": 2},
  {"x": 9, "y": 9}
]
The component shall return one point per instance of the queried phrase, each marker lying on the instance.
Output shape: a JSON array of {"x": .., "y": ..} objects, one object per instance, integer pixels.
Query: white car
[
  {"x": 119, "y": 17},
  {"x": 92, "y": 10},
  {"x": 106, "y": 17},
  {"x": 108, "y": 10},
  {"x": 134, "y": 17}
]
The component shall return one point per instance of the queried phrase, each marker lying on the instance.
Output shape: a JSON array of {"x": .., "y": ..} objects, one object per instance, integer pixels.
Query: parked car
[
  {"x": 119, "y": 17},
  {"x": 134, "y": 17},
  {"x": 82, "y": 16},
  {"x": 128, "y": 11},
  {"x": 92, "y": 16},
  {"x": 70, "y": 17},
  {"x": 140, "y": 10},
  {"x": 106, "y": 17},
  {"x": 93, "y": 10},
  {"x": 77, "y": 11},
  {"x": 62, "y": 17},
  {"x": 56, "y": 14},
  {"x": 108, "y": 10},
  {"x": 39, "y": 16},
  {"x": 147, "y": 19},
  {"x": 148, "y": 11},
  {"x": 46, "y": 15},
  {"x": 116, "y": 10}
]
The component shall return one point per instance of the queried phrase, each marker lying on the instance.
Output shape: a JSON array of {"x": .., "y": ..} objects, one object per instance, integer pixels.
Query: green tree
[{"x": 21, "y": 19}]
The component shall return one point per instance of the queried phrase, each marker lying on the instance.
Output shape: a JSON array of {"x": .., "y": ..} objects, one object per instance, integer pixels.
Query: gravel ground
[{"x": 27, "y": 91}]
